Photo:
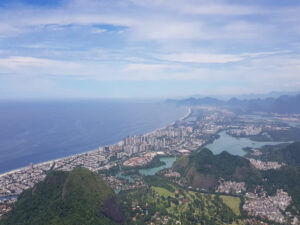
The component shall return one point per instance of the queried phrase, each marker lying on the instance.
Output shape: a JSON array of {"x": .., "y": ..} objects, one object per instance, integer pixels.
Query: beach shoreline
[
  {"x": 182, "y": 118},
  {"x": 92, "y": 150}
]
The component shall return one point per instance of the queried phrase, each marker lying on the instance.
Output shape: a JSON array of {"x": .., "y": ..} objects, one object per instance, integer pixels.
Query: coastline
[
  {"x": 92, "y": 150},
  {"x": 187, "y": 114},
  {"x": 182, "y": 118}
]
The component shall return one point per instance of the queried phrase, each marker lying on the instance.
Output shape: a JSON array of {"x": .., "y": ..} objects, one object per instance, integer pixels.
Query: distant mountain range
[{"x": 282, "y": 104}]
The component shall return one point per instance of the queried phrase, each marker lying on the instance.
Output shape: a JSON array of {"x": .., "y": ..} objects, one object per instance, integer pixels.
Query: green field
[
  {"x": 163, "y": 192},
  {"x": 232, "y": 202},
  {"x": 197, "y": 204},
  {"x": 163, "y": 199}
]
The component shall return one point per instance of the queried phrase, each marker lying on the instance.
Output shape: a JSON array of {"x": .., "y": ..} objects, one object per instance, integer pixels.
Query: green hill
[
  {"x": 202, "y": 169},
  {"x": 77, "y": 197},
  {"x": 288, "y": 179},
  {"x": 289, "y": 154}
]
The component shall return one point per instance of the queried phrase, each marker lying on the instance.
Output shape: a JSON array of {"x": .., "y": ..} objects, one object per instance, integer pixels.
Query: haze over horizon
[{"x": 148, "y": 49}]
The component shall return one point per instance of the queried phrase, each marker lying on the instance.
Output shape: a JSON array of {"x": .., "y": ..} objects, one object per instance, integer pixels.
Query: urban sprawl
[{"x": 199, "y": 127}]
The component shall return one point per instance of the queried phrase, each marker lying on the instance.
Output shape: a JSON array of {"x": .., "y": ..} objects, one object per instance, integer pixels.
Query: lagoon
[
  {"x": 235, "y": 145},
  {"x": 152, "y": 171},
  {"x": 225, "y": 142}
]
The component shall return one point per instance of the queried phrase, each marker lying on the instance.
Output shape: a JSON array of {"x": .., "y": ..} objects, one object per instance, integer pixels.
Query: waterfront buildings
[{"x": 182, "y": 137}]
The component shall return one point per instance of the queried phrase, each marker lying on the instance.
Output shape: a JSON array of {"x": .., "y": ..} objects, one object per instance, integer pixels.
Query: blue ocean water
[{"x": 41, "y": 131}]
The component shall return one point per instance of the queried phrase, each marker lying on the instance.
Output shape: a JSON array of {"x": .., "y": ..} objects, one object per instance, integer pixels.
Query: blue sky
[{"x": 147, "y": 48}]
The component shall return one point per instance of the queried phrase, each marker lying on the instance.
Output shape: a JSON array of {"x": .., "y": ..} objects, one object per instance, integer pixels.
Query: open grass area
[
  {"x": 163, "y": 192},
  {"x": 188, "y": 206},
  {"x": 206, "y": 205},
  {"x": 239, "y": 222},
  {"x": 232, "y": 202}
]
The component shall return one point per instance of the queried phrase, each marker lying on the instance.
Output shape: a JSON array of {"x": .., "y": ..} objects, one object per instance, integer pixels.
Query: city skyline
[{"x": 147, "y": 49}]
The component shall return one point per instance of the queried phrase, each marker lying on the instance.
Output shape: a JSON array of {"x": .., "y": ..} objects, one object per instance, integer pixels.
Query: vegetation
[
  {"x": 202, "y": 169},
  {"x": 286, "y": 153},
  {"x": 158, "y": 181},
  {"x": 77, "y": 197},
  {"x": 288, "y": 179},
  {"x": 82, "y": 197},
  {"x": 111, "y": 171},
  {"x": 156, "y": 162},
  {"x": 160, "y": 203},
  {"x": 292, "y": 134},
  {"x": 163, "y": 192},
  {"x": 232, "y": 202}
]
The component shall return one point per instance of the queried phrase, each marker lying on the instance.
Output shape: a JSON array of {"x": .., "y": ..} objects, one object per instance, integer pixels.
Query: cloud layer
[{"x": 232, "y": 46}]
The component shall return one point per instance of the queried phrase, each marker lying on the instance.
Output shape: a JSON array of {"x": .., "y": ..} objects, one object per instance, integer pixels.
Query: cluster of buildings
[
  {"x": 265, "y": 165},
  {"x": 167, "y": 139},
  {"x": 256, "y": 152},
  {"x": 92, "y": 160},
  {"x": 114, "y": 182},
  {"x": 4, "y": 209},
  {"x": 122, "y": 184},
  {"x": 287, "y": 118},
  {"x": 182, "y": 137},
  {"x": 172, "y": 174},
  {"x": 136, "y": 184},
  {"x": 156, "y": 218},
  {"x": 231, "y": 187},
  {"x": 249, "y": 130},
  {"x": 139, "y": 161},
  {"x": 276, "y": 128},
  {"x": 268, "y": 207},
  {"x": 6, "y": 204},
  {"x": 15, "y": 182}
]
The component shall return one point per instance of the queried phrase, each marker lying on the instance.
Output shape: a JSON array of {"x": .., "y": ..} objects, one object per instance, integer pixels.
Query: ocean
[{"x": 35, "y": 131}]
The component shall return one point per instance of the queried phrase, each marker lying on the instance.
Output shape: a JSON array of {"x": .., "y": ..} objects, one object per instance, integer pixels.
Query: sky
[{"x": 147, "y": 48}]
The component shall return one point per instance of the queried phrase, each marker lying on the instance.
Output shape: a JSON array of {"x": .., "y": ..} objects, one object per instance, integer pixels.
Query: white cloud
[
  {"x": 165, "y": 30},
  {"x": 256, "y": 54},
  {"x": 156, "y": 20},
  {"x": 201, "y": 58},
  {"x": 158, "y": 39},
  {"x": 7, "y": 30},
  {"x": 145, "y": 67},
  {"x": 98, "y": 31},
  {"x": 199, "y": 7},
  {"x": 18, "y": 62},
  {"x": 218, "y": 9},
  {"x": 16, "y": 65}
]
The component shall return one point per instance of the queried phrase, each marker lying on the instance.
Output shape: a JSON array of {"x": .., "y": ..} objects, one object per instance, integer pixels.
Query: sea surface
[{"x": 42, "y": 131}]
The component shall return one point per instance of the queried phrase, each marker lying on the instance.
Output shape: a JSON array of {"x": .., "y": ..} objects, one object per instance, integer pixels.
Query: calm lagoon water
[
  {"x": 235, "y": 145},
  {"x": 225, "y": 142},
  {"x": 152, "y": 171}
]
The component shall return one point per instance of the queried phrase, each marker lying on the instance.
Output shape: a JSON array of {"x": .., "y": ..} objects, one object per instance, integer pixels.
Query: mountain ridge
[{"x": 282, "y": 104}]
